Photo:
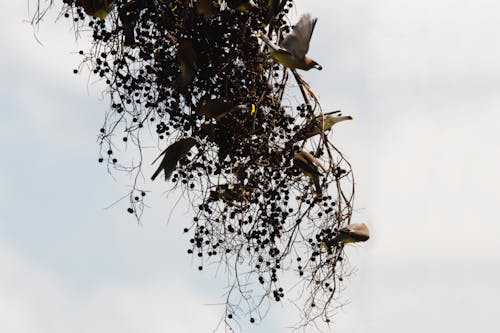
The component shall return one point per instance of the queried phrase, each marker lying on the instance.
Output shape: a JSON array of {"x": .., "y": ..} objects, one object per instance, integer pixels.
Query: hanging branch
[{"x": 193, "y": 77}]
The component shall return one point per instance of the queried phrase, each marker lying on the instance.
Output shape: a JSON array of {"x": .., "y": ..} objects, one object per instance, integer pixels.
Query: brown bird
[
  {"x": 173, "y": 154},
  {"x": 309, "y": 165},
  {"x": 205, "y": 8},
  {"x": 292, "y": 50},
  {"x": 186, "y": 56},
  {"x": 217, "y": 108},
  {"x": 229, "y": 193},
  {"x": 241, "y": 5},
  {"x": 353, "y": 233},
  {"x": 97, "y": 8},
  {"x": 321, "y": 123}
]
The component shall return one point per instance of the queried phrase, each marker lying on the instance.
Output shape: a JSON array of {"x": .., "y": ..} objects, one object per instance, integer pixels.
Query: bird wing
[
  {"x": 302, "y": 161},
  {"x": 309, "y": 130},
  {"x": 312, "y": 160},
  {"x": 167, "y": 164},
  {"x": 297, "y": 42},
  {"x": 173, "y": 154}
]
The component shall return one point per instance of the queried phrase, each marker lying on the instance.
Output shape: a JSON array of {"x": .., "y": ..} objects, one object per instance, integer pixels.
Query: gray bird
[
  {"x": 172, "y": 155},
  {"x": 309, "y": 165},
  {"x": 353, "y": 233},
  {"x": 321, "y": 123},
  {"x": 292, "y": 50}
]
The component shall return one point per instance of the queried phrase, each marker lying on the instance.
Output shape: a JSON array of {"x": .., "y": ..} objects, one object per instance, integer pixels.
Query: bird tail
[
  {"x": 317, "y": 185},
  {"x": 157, "y": 172}
]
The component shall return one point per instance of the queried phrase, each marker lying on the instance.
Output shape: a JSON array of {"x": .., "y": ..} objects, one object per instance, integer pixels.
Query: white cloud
[
  {"x": 438, "y": 189},
  {"x": 41, "y": 95},
  {"x": 35, "y": 300}
]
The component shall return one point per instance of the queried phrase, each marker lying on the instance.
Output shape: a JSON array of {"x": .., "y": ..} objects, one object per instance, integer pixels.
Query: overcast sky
[{"x": 421, "y": 78}]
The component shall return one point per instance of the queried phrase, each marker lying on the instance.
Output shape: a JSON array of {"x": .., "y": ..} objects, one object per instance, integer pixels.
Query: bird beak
[{"x": 332, "y": 112}]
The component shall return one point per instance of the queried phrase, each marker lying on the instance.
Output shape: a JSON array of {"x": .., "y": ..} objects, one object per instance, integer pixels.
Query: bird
[
  {"x": 241, "y": 5},
  {"x": 229, "y": 193},
  {"x": 186, "y": 56},
  {"x": 309, "y": 165},
  {"x": 353, "y": 233},
  {"x": 205, "y": 8},
  {"x": 97, "y": 8},
  {"x": 172, "y": 155},
  {"x": 321, "y": 123},
  {"x": 217, "y": 108},
  {"x": 291, "y": 52}
]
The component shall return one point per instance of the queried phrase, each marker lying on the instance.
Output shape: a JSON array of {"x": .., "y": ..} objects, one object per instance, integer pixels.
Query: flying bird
[
  {"x": 97, "y": 8},
  {"x": 186, "y": 56},
  {"x": 291, "y": 52},
  {"x": 353, "y": 233},
  {"x": 320, "y": 124},
  {"x": 172, "y": 155},
  {"x": 310, "y": 166}
]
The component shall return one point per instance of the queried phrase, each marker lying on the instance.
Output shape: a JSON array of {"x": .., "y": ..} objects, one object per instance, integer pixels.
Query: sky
[{"x": 421, "y": 78}]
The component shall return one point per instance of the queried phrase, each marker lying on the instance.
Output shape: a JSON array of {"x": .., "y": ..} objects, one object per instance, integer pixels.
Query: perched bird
[
  {"x": 205, "y": 8},
  {"x": 186, "y": 56},
  {"x": 97, "y": 8},
  {"x": 229, "y": 193},
  {"x": 321, "y": 123},
  {"x": 217, "y": 108},
  {"x": 292, "y": 50},
  {"x": 241, "y": 5},
  {"x": 310, "y": 166},
  {"x": 353, "y": 233},
  {"x": 173, "y": 154}
]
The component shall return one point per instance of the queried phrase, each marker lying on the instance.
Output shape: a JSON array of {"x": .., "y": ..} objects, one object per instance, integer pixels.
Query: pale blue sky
[{"x": 421, "y": 78}]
